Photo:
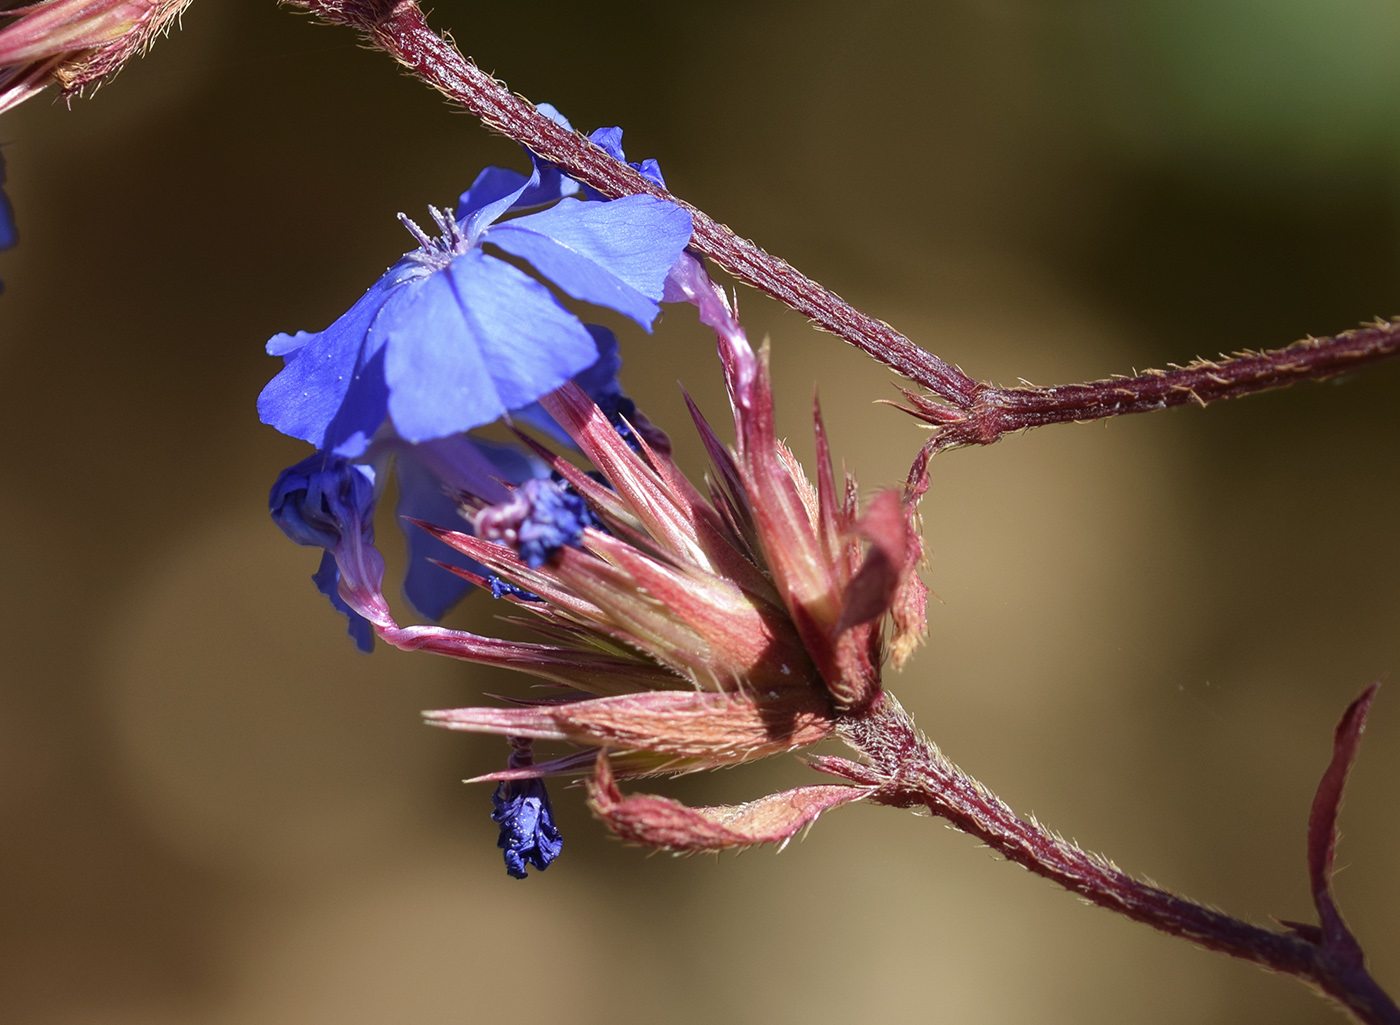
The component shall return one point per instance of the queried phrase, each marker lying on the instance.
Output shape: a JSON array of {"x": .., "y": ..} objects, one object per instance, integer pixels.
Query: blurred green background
[{"x": 215, "y": 811}]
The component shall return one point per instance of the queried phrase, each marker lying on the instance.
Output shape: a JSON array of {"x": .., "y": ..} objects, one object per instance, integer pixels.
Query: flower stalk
[
  {"x": 962, "y": 409},
  {"x": 907, "y": 770}
]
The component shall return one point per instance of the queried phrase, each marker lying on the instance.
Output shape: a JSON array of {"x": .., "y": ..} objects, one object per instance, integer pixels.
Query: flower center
[{"x": 436, "y": 253}]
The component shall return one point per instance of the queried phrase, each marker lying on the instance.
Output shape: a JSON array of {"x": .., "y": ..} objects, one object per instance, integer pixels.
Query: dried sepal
[
  {"x": 662, "y": 823},
  {"x": 711, "y": 729},
  {"x": 587, "y": 671}
]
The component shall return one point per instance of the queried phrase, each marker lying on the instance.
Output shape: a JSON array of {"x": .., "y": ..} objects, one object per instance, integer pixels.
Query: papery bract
[{"x": 668, "y": 825}]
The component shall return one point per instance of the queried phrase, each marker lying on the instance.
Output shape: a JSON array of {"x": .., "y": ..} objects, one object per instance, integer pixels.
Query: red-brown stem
[
  {"x": 970, "y": 412},
  {"x": 399, "y": 28},
  {"x": 911, "y": 771},
  {"x": 998, "y": 411}
]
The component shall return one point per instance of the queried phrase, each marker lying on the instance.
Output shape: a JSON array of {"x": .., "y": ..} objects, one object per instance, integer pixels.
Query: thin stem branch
[
  {"x": 910, "y": 771},
  {"x": 999, "y": 411},
  {"x": 400, "y": 29},
  {"x": 966, "y": 411}
]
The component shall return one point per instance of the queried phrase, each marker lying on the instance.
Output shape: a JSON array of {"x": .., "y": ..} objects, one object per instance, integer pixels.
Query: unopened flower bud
[{"x": 522, "y": 810}]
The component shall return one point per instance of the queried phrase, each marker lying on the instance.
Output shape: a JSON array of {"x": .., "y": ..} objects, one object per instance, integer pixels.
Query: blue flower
[
  {"x": 316, "y": 501},
  {"x": 528, "y": 833},
  {"x": 453, "y": 337},
  {"x": 8, "y": 235},
  {"x": 327, "y": 502}
]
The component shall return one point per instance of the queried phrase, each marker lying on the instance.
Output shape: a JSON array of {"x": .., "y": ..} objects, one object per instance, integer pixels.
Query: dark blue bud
[
  {"x": 528, "y": 833},
  {"x": 320, "y": 502},
  {"x": 321, "y": 499}
]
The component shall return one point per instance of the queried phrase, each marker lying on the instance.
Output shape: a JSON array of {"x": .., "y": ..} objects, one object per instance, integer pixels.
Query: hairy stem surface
[
  {"x": 911, "y": 772},
  {"x": 400, "y": 29},
  {"x": 966, "y": 411}
]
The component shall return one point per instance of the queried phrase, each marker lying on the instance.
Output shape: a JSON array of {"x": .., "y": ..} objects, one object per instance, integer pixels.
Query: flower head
[
  {"x": 686, "y": 630},
  {"x": 73, "y": 43},
  {"x": 454, "y": 336}
]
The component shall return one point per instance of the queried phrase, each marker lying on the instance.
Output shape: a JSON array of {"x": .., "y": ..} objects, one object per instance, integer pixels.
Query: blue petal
[
  {"x": 615, "y": 254},
  {"x": 497, "y": 183},
  {"x": 474, "y": 342},
  {"x": 550, "y": 111},
  {"x": 318, "y": 502},
  {"x": 322, "y": 369},
  {"x": 599, "y": 381},
  {"x": 429, "y": 588},
  {"x": 363, "y": 410},
  {"x": 610, "y": 141},
  {"x": 495, "y": 191},
  {"x": 649, "y": 168},
  {"x": 427, "y": 475}
]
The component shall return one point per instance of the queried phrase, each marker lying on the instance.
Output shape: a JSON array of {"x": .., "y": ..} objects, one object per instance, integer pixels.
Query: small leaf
[{"x": 1322, "y": 824}]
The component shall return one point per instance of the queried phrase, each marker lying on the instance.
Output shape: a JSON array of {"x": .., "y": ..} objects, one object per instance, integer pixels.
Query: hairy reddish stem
[
  {"x": 399, "y": 28},
  {"x": 997, "y": 411},
  {"x": 910, "y": 771},
  {"x": 907, "y": 768},
  {"x": 967, "y": 411}
]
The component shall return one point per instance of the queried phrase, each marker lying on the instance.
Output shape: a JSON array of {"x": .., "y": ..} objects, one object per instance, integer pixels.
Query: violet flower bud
[{"x": 522, "y": 810}]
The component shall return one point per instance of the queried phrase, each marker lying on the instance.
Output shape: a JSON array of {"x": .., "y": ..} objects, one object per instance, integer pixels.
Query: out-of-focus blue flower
[
  {"x": 539, "y": 518},
  {"x": 8, "y": 235},
  {"x": 328, "y": 502},
  {"x": 521, "y": 808},
  {"x": 453, "y": 337}
]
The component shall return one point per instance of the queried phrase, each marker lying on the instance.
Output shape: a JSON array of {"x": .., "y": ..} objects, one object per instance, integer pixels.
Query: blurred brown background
[{"x": 215, "y": 811}]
